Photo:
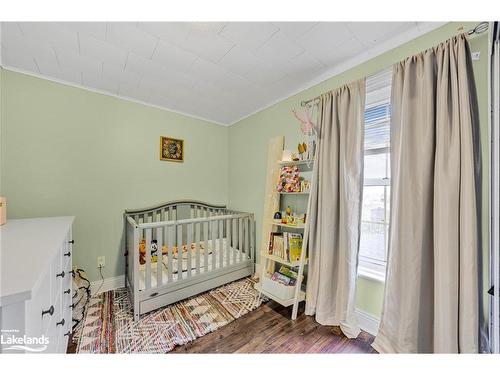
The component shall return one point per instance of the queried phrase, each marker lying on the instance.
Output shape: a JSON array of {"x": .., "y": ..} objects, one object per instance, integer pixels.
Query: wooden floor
[{"x": 269, "y": 329}]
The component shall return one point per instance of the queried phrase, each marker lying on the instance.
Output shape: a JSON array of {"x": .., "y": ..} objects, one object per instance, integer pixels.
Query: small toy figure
[{"x": 302, "y": 148}]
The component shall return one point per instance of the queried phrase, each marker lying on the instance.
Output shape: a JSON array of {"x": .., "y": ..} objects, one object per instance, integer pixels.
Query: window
[{"x": 376, "y": 190}]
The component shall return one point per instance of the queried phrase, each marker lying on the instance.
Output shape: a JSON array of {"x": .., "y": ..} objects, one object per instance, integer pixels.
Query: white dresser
[{"x": 36, "y": 285}]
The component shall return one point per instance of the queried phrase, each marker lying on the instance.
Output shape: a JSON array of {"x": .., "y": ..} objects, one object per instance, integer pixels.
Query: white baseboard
[
  {"x": 367, "y": 322},
  {"x": 109, "y": 283}
]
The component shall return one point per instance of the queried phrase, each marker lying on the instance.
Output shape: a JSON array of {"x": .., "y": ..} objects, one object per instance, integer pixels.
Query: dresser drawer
[
  {"x": 60, "y": 273},
  {"x": 42, "y": 300},
  {"x": 56, "y": 326},
  {"x": 67, "y": 250}
]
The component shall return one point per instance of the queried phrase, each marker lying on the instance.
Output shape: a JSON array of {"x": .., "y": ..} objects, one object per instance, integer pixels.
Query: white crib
[{"x": 219, "y": 247}]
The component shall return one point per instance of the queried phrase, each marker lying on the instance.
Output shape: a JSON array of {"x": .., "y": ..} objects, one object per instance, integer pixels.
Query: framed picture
[{"x": 171, "y": 149}]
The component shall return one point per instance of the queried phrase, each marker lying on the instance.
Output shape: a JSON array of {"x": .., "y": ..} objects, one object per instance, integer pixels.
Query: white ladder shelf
[{"x": 272, "y": 205}]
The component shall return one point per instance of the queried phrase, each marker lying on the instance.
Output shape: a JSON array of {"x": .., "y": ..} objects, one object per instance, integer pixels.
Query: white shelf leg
[{"x": 303, "y": 253}]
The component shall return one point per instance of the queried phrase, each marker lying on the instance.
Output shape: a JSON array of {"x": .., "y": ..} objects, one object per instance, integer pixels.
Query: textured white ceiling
[{"x": 217, "y": 71}]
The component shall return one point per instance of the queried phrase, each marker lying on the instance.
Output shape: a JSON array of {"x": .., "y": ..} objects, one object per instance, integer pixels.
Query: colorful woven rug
[{"x": 109, "y": 325}]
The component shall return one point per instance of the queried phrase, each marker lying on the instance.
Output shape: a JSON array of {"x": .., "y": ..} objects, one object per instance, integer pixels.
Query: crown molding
[{"x": 116, "y": 96}]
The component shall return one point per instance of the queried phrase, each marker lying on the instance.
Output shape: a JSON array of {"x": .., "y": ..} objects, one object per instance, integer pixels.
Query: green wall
[
  {"x": 68, "y": 151},
  {"x": 248, "y": 138}
]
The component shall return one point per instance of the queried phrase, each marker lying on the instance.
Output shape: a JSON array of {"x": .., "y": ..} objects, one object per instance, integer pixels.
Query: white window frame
[{"x": 368, "y": 267}]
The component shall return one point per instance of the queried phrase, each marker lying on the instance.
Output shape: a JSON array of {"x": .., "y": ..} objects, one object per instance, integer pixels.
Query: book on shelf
[
  {"x": 294, "y": 246},
  {"x": 282, "y": 279},
  {"x": 289, "y": 272},
  {"x": 271, "y": 241},
  {"x": 285, "y": 275},
  {"x": 286, "y": 245}
]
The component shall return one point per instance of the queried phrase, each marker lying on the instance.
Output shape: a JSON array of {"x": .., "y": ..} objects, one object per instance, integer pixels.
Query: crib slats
[
  {"x": 197, "y": 228},
  {"x": 188, "y": 244},
  {"x": 230, "y": 239},
  {"x": 228, "y": 242},
  {"x": 235, "y": 243},
  {"x": 221, "y": 243},
  {"x": 247, "y": 238},
  {"x": 170, "y": 245},
  {"x": 214, "y": 242},
  {"x": 252, "y": 238},
  {"x": 179, "y": 253},
  {"x": 159, "y": 257},
  {"x": 148, "y": 259},
  {"x": 205, "y": 242},
  {"x": 240, "y": 238}
]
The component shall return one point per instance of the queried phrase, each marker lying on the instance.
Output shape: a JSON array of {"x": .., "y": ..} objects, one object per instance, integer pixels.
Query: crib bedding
[{"x": 227, "y": 259}]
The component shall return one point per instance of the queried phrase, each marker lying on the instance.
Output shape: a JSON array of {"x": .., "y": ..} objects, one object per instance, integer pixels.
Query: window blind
[{"x": 378, "y": 110}]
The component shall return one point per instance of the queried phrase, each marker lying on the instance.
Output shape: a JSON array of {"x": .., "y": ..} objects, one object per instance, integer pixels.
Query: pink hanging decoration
[{"x": 306, "y": 125}]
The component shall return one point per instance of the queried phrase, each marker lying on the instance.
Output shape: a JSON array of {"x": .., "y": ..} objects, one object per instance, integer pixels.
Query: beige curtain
[
  {"x": 431, "y": 298},
  {"x": 335, "y": 208}
]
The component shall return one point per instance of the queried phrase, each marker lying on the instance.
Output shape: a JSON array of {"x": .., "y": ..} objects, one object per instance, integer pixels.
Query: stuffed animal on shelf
[{"x": 289, "y": 180}]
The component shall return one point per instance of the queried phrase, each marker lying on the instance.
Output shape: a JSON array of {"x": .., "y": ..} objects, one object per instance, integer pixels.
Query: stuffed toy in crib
[{"x": 164, "y": 251}]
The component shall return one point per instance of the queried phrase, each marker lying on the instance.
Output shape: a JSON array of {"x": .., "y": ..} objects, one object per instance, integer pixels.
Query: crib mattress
[{"x": 227, "y": 259}]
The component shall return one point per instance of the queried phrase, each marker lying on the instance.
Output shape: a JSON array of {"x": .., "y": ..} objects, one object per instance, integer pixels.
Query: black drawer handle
[
  {"x": 71, "y": 242},
  {"x": 61, "y": 274},
  {"x": 71, "y": 306},
  {"x": 61, "y": 323},
  {"x": 50, "y": 311},
  {"x": 67, "y": 254},
  {"x": 67, "y": 291},
  {"x": 67, "y": 333}
]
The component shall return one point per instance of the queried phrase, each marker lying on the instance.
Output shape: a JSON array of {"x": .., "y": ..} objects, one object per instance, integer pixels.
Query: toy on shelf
[
  {"x": 305, "y": 186},
  {"x": 289, "y": 217},
  {"x": 302, "y": 148},
  {"x": 289, "y": 180}
]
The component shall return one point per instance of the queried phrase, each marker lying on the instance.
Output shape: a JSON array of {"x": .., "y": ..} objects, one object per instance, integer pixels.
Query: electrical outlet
[{"x": 101, "y": 261}]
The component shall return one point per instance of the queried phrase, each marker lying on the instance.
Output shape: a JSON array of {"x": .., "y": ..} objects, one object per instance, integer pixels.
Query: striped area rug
[{"x": 109, "y": 325}]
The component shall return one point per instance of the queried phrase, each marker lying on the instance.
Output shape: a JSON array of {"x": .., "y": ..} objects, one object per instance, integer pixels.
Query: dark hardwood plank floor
[{"x": 269, "y": 329}]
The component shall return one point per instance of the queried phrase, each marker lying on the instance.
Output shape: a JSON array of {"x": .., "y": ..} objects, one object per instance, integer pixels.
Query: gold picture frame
[{"x": 171, "y": 149}]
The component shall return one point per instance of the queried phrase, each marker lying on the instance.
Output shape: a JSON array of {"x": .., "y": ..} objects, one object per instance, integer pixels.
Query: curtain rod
[{"x": 478, "y": 29}]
